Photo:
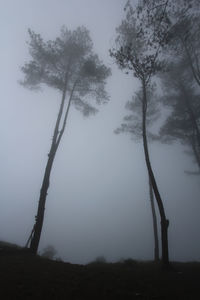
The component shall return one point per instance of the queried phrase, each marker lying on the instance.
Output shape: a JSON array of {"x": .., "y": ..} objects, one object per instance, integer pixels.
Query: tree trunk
[
  {"x": 41, "y": 206},
  {"x": 164, "y": 221},
  {"x": 155, "y": 227},
  {"x": 37, "y": 229}
]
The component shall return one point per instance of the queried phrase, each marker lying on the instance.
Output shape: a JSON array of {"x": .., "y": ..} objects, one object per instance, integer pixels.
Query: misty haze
[{"x": 100, "y": 129}]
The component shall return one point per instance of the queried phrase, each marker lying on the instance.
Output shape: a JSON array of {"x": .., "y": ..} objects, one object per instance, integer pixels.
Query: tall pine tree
[{"x": 69, "y": 65}]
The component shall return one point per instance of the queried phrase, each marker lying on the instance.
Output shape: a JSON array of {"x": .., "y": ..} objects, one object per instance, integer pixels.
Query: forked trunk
[
  {"x": 155, "y": 227},
  {"x": 164, "y": 221},
  {"x": 37, "y": 229}
]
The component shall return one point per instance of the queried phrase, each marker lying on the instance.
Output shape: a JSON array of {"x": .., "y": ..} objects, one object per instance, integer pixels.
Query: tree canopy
[{"x": 67, "y": 64}]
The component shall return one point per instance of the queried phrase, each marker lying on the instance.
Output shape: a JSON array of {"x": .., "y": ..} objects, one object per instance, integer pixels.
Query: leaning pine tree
[
  {"x": 69, "y": 65},
  {"x": 137, "y": 50}
]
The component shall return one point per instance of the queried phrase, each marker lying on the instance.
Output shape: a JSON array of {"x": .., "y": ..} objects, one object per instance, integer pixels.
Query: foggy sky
[{"x": 98, "y": 202}]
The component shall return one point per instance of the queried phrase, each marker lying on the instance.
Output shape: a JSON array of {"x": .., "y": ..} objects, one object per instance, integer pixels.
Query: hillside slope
[{"x": 24, "y": 276}]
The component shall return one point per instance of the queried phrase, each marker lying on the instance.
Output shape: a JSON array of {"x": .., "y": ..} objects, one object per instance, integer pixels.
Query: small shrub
[
  {"x": 59, "y": 259},
  {"x": 100, "y": 259},
  {"x": 49, "y": 252}
]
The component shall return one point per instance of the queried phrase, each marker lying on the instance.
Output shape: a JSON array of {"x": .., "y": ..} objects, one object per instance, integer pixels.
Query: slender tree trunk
[
  {"x": 46, "y": 179},
  {"x": 37, "y": 229},
  {"x": 155, "y": 227},
  {"x": 45, "y": 184},
  {"x": 164, "y": 221},
  {"x": 41, "y": 205}
]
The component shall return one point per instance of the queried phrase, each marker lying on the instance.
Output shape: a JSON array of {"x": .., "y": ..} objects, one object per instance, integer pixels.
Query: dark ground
[{"x": 24, "y": 276}]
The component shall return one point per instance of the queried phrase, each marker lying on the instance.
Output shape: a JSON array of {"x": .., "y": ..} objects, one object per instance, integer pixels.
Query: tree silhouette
[
  {"x": 69, "y": 65},
  {"x": 49, "y": 252},
  {"x": 132, "y": 124},
  {"x": 176, "y": 27},
  {"x": 137, "y": 50}
]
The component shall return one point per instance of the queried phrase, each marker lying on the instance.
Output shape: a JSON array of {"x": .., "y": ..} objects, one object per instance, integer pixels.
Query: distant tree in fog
[
  {"x": 137, "y": 50},
  {"x": 182, "y": 97},
  {"x": 69, "y": 65},
  {"x": 176, "y": 27},
  {"x": 132, "y": 124},
  {"x": 183, "y": 40},
  {"x": 181, "y": 79}
]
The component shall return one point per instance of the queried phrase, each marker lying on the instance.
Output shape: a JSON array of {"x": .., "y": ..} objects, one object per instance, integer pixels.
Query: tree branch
[{"x": 65, "y": 117}]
